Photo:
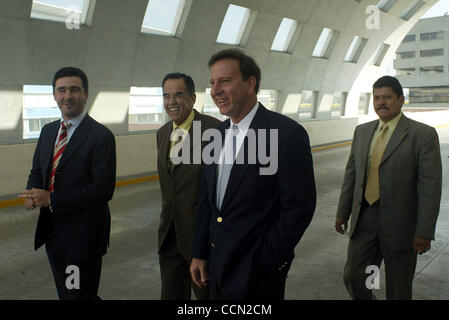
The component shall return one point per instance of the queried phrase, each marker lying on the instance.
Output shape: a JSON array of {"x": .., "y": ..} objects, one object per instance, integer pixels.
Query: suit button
[
  {"x": 212, "y": 245},
  {"x": 219, "y": 219}
]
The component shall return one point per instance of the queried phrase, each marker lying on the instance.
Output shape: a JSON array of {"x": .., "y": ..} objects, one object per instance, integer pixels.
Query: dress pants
[
  {"x": 175, "y": 272},
  {"x": 368, "y": 247},
  {"x": 89, "y": 277}
]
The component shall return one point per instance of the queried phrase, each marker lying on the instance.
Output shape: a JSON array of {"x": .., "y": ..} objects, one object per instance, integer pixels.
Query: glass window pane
[
  {"x": 405, "y": 55},
  {"x": 39, "y": 108},
  {"x": 429, "y": 95},
  {"x": 306, "y": 105},
  {"x": 405, "y": 71},
  {"x": 336, "y": 104},
  {"x": 432, "y": 52},
  {"x": 409, "y": 38},
  {"x": 210, "y": 108},
  {"x": 284, "y": 35},
  {"x": 432, "y": 69},
  {"x": 234, "y": 24},
  {"x": 146, "y": 109},
  {"x": 267, "y": 98},
  {"x": 162, "y": 16}
]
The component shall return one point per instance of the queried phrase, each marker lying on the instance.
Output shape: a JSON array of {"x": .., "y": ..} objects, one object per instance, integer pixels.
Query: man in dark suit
[
  {"x": 250, "y": 217},
  {"x": 72, "y": 180},
  {"x": 392, "y": 191},
  {"x": 179, "y": 186}
]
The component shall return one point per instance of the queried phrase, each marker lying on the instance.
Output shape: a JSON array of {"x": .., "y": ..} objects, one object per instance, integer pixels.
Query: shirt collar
[
  {"x": 187, "y": 122},
  {"x": 392, "y": 123},
  {"x": 76, "y": 121},
  {"x": 244, "y": 124}
]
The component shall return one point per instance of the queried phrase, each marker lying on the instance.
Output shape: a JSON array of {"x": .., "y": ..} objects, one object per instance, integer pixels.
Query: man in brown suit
[{"x": 179, "y": 186}]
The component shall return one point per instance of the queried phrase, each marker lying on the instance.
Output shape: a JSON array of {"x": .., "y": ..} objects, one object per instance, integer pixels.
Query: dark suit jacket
[
  {"x": 263, "y": 216},
  {"x": 409, "y": 182},
  {"x": 180, "y": 191},
  {"x": 79, "y": 226}
]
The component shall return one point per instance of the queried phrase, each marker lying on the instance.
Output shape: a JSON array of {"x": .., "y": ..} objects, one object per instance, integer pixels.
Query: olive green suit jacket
[{"x": 410, "y": 179}]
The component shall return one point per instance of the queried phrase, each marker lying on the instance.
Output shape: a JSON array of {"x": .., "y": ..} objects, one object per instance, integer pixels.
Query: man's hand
[
  {"x": 36, "y": 197},
  {"x": 29, "y": 204},
  {"x": 198, "y": 272},
  {"x": 421, "y": 245},
  {"x": 338, "y": 225}
]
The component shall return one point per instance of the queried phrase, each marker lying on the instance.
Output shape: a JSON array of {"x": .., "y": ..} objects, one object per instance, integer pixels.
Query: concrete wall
[
  {"x": 115, "y": 56},
  {"x": 136, "y": 155}
]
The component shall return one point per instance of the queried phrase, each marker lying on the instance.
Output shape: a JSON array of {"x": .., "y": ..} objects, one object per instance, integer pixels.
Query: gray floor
[{"x": 131, "y": 269}]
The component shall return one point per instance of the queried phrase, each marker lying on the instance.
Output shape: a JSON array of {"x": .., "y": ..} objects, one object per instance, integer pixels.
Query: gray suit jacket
[{"x": 409, "y": 182}]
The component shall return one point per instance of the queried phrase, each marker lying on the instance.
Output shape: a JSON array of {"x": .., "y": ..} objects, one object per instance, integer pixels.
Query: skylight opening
[
  {"x": 386, "y": 5},
  {"x": 284, "y": 35},
  {"x": 355, "y": 49},
  {"x": 322, "y": 44},
  {"x": 412, "y": 9},
  {"x": 162, "y": 17},
  {"x": 234, "y": 24},
  {"x": 69, "y": 11}
]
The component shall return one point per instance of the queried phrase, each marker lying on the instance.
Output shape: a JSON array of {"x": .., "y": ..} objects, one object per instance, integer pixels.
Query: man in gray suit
[{"x": 392, "y": 191}]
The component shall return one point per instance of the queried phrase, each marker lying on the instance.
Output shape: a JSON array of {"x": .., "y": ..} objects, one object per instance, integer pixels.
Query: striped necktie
[{"x": 57, "y": 153}]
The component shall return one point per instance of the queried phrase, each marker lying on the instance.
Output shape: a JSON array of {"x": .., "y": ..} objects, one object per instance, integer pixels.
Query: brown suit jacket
[
  {"x": 410, "y": 181},
  {"x": 180, "y": 192}
]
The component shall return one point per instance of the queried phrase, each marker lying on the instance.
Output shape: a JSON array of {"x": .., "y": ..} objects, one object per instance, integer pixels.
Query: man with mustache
[
  {"x": 392, "y": 191},
  {"x": 72, "y": 180}
]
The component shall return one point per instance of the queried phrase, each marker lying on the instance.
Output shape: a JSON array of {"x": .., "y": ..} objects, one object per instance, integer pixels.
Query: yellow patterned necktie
[
  {"x": 170, "y": 164},
  {"x": 372, "y": 185}
]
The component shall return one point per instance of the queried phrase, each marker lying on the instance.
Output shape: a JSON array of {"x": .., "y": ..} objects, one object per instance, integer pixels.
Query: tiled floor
[{"x": 131, "y": 268}]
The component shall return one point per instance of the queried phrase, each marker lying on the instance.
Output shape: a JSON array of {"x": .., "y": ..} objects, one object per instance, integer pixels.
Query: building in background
[{"x": 422, "y": 64}]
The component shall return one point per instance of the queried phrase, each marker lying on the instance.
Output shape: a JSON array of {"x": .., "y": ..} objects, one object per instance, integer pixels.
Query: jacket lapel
[
  {"x": 366, "y": 143},
  {"x": 78, "y": 137},
  {"x": 397, "y": 137},
  {"x": 165, "y": 146},
  {"x": 48, "y": 156}
]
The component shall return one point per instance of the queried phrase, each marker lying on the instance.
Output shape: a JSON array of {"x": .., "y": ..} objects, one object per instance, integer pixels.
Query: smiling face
[
  {"x": 386, "y": 103},
  {"x": 178, "y": 103},
  {"x": 233, "y": 96},
  {"x": 70, "y": 96}
]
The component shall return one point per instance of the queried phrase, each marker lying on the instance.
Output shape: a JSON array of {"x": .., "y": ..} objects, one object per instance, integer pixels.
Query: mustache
[{"x": 382, "y": 107}]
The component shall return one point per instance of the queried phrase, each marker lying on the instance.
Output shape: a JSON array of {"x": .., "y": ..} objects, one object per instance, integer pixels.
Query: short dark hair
[
  {"x": 71, "y": 72},
  {"x": 391, "y": 82},
  {"x": 248, "y": 67},
  {"x": 190, "y": 85}
]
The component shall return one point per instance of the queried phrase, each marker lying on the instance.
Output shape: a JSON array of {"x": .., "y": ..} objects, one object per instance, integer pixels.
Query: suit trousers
[
  {"x": 368, "y": 247},
  {"x": 264, "y": 287},
  {"x": 175, "y": 272},
  {"x": 89, "y": 277}
]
